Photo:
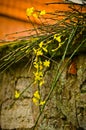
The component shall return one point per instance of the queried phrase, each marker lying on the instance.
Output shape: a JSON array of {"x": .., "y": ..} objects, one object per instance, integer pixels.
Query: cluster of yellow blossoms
[
  {"x": 57, "y": 37},
  {"x": 32, "y": 12},
  {"x": 40, "y": 66}
]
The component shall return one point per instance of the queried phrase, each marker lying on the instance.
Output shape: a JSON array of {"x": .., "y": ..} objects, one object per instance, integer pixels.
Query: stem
[
  {"x": 21, "y": 93},
  {"x": 33, "y": 26},
  {"x": 56, "y": 80}
]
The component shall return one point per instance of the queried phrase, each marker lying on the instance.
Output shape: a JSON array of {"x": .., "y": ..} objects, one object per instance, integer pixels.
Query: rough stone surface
[
  {"x": 65, "y": 110},
  {"x": 16, "y": 113}
]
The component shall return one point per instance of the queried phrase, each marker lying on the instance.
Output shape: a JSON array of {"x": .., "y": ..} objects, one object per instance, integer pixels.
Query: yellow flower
[
  {"x": 35, "y": 15},
  {"x": 55, "y": 35},
  {"x": 38, "y": 78},
  {"x": 40, "y": 67},
  {"x": 35, "y": 51},
  {"x": 45, "y": 49},
  {"x": 17, "y": 94},
  {"x": 38, "y": 73},
  {"x": 37, "y": 95},
  {"x": 42, "y": 103},
  {"x": 43, "y": 12},
  {"x": 40, "y": 62},
  {"x": 39, "y": 53},
  {"x": 29, "y": 11},
  {"x": 46, "y": 63},
  {"x": 36, "y": 59},
  {"x": 41, "y": 83},
  {"x": 58, "y": 38},
  {"x": 35, "y": 100},
  {"x": 36, "y": 65},
  {"x": 41, "y": 44}
]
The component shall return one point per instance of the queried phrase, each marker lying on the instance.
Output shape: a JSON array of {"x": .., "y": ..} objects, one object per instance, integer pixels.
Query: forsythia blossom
[
  {"x": 29, "y": 11},
  {"x": 58, "y": 38},
  {"x": 35, "y": 100},
  {"x": 42, "y": 47},
  {"x": 42, "y": 103},
  {"x": 32, "y": 12},
  {"x": 39, "y": 53},
  {"x": 17, "y": 94},
  {"x": 40, "y": 44},
  {"x": 38, "y": 76},
  {"x": 41, "y": 83},
  {"x": 35, "y": 15},
  {"x": 46, "y": 63},
  {"x": 40, "y": 68},
  {"x": 43, "y": 12},
  {"x": 36, "y": 95}
]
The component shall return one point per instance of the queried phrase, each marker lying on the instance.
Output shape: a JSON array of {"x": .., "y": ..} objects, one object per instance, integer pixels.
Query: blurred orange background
[{"x": 13, "y": 17}]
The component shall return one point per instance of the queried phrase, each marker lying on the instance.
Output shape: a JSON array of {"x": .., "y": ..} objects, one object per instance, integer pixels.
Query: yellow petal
[
  {"x": 40, "y": 73},
  {"x": 17, "y": 94},
  {"x": 35, "y": 101},
  {"x": 37, "y": 78},
  {"x": 45, "y": 49},
  {"x": 35, "y": 51},
  {"x": 36, "y": 95},
  {"x": 41, "y": 44},
  {"x": 46, "y": 63},
  {"x": 35, "y": 15},
  {"x": 55, "y": 35},
  {"x": 39, "y": 53},
  {"x": 41, "y": 83},
  {"x": 58, "y": 38},
  {"x": 43, "y": 12},
  {"x": 42, "y": 103},
  {"x": 36, "y": 66},
  {"x": 40, "y": 67},
  {"x": 29, "y": 11}
]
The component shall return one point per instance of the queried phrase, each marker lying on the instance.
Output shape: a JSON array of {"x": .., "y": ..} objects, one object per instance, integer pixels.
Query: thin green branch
[{"x": 56, "y": 78}]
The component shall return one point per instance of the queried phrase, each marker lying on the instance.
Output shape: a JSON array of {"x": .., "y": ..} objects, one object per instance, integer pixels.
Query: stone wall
[{"x": 65, "y": 110}]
